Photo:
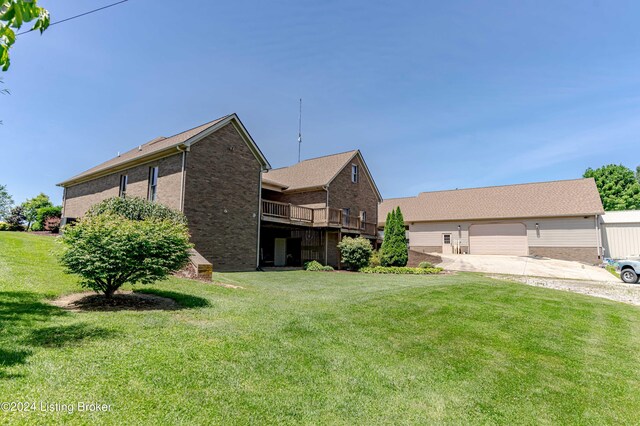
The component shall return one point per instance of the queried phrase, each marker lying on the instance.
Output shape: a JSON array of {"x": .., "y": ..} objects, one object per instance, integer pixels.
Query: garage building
[
  {"x": 621, "y": 234},
  {"x": 559, "y": 219}
]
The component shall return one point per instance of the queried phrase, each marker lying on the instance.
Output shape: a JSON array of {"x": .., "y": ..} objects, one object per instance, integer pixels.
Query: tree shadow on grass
[
  {"x": 66, "y": 335},
  {"x": 22, "y": 316},
  {"x": 184, "y": 300},
  {"x": 20, "y": 309}
]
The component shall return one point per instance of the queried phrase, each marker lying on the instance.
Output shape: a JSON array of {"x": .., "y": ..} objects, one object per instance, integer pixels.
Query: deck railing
[
  {"x": 326, "y": 216},
  {"x": 287, "y": 211}
]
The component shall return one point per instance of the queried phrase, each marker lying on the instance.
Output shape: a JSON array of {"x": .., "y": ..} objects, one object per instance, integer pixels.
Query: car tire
[{"x": 629, "y": 276}]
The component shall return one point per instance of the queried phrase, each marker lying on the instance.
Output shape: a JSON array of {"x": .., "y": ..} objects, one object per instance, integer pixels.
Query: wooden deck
[{"x": 273, "y": 211}]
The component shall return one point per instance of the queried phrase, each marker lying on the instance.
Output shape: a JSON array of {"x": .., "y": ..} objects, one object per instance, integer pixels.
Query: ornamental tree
[
  {"x": 394, "y": 245},
  {"x": 15, "y": 219},
  {"x": 110, "y": 249}
]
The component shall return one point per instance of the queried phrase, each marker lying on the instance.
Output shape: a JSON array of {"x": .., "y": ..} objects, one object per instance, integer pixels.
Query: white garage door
[{"x": 498, "y": 238}]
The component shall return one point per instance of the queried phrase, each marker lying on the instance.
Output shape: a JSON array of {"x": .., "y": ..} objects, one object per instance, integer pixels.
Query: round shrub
[
  {"x": 108, "y": 249},
  {"x": 4, "y": 227},
  {"x": 327, "y": 268},
  {"x": 425, "y": 265},
  {"x": 355, "y": 252},
  {"x": 313, "y": 266}
]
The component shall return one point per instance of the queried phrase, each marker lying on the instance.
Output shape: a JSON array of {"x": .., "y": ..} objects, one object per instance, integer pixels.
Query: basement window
[
  {"x": 124, "y": 179},
  {"x": 355, "y": 173},
  {"x": 153, "y": 183}
]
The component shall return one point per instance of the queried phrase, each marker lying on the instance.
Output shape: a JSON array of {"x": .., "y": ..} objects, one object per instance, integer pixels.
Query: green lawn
[{"x": 300, "y": 347}]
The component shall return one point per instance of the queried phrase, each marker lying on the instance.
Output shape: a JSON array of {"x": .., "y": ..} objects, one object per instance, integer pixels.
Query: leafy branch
[{"x": 14, "y": 13}]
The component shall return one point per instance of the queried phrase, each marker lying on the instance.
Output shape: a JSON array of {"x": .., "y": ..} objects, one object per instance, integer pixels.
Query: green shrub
[
  {"x": 4, "y": 226},
  {"x": 401, "y": 270},
  {"x": 36, "y": 226},
  {"x": 327, "y": 268},
  {"x": 395, "y": 251},
  {"x": 375, "y": 259},
  {"x": 355, "y": 252},
  {"x": 425, "y": 265},
  {"x": 136, "y": 209},
  {"x": 108, "y": 250},
  {"x": 313, "y": 266},
  {"x": 44, "y": 214}
]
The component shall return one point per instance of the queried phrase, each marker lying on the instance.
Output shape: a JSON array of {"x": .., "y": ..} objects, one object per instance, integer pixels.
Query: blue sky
[{"x": 437, "y": 95}]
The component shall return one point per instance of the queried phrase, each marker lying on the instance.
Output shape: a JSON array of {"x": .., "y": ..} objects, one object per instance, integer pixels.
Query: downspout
[
  {"x": 599, "y": 237},
  {"x": 183, "y": 175},
  {"x": 262, "y": 169},
  {"x": 326, "y": 231},
  {"x": 64, "y": 204}
]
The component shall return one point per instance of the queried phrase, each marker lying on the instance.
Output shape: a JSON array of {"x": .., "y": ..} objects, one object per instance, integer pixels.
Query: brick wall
[
  {"x": 356, "y": 196},
  {"x": 298, "y": 198},
  {"x": 415, "y": 257},
  {"x": 580, "y": 254},
  {"x": 221, "y": 200},
  {"x": 82, "y": 196}
]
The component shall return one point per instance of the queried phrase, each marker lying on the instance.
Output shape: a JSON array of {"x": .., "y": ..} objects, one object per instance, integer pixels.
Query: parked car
[{"x": 629, "y": 270}]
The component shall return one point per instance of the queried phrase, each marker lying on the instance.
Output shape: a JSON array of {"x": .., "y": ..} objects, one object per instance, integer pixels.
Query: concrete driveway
[{"x": 525, "y": 266}]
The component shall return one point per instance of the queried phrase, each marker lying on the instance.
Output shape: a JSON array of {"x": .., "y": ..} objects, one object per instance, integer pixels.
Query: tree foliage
[
  {"x": 355, "y": 252},
  {"x": 31, "y": 206},
  {"x": 108, "y": 250},
  {"x": 5, "y": 202},
  {"x": 394, "y": 246},
  {"x": 49, "y": 215},
  {"x": 15, "y": 219},
  {"x": 136, "y": 209},
  {"x": 13, "y": 14},
  {"x": 618, "y": 187}
]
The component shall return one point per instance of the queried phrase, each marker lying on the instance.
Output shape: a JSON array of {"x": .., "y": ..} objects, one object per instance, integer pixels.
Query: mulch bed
[{"x": 121, "y": 301}]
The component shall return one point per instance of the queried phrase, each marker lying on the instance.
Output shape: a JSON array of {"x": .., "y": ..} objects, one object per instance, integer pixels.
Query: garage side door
[{"x": 498, "y": 238}]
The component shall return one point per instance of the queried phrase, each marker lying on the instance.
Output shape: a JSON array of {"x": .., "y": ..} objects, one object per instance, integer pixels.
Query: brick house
[
  {"x": 307, "y": 208},
  {"x": 211, "y": 172},
  {"x": 239, "y": 216}
]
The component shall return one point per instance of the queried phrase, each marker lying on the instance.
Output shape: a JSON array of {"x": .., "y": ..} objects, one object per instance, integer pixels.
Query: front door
[
  {"x": 280, "y": 252},
  {"x": 446, "y": 244}
]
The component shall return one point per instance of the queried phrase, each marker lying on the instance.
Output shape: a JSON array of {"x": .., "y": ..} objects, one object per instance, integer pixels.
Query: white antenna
[{"x": 300, "y": 130}]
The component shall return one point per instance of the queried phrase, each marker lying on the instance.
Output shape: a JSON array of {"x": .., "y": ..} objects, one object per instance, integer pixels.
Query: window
[
  {"x": 363, "y": 216},
  {"x": 124, "y": 179},
  {"x": 354, "y": 173},
  {"x": 153, "y": 183},
  {"x": 446, "y": 238}
]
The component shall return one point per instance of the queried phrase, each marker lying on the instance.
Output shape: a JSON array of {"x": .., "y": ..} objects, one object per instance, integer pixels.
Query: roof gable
[
  {"x": 315, "y": 173},
  {"x": 162, "y": 145},
  {"x": 577, "y": 197}
]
